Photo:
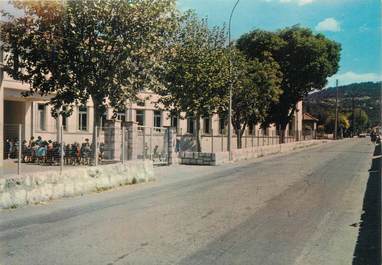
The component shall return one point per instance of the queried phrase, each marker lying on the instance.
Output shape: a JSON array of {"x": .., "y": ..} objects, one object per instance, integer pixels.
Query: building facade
[{"x": 36, "y": 119}]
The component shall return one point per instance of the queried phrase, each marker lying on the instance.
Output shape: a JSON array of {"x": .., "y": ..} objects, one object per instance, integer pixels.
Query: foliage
[
  {"x": 255, "y": 86},
  {"x": 197, "y": 70},
  {"x": 106, "y": 50},
  {"x": 361, "y": 120},
  {"x": 365, "y": 96},
  {"x": 331, "y": 120},
  {"x": 305, "y": 59}
]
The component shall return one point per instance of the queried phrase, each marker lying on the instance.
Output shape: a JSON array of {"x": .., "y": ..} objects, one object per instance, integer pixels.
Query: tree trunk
[
  {"x": 197, "y": 133},
  {"x": 282, "y": 127},
  {"x": 238, "y": 138},
  {"x": 96, "y": 124},
  {"x": 282, "y": 136}
]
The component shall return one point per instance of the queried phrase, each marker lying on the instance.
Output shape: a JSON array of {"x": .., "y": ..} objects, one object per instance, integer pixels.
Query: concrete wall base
[
  {"x": 38, "y": 187},
  {"x": 218, "y": 158}
]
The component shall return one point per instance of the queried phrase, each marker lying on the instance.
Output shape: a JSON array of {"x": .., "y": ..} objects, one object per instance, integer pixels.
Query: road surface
[{"x": 299, "y": 208}]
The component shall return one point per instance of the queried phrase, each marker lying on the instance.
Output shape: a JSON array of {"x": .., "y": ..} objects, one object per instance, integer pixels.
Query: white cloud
[
  {"x": 329, "y": 24},
  {"x": 351, "y": 77}
]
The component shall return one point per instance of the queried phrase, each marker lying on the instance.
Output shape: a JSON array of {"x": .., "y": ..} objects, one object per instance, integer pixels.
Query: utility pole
[
  {"x": 229, "y": 142},
  {"x": 336, "y": 122},
  {"x": 353, "y": 115}
]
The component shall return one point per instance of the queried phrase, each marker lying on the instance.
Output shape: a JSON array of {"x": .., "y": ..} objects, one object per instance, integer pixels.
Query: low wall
[
  {"x": 39, "y": 187},
  {"x": 195, "y": 158},
  {"x": 218, "y": 158}
]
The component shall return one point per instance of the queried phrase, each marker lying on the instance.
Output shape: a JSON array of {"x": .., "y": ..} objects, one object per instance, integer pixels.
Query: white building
[{"x": 36, "y": 120}]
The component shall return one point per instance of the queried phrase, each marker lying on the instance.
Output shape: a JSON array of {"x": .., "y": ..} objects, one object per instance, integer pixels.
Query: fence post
[
  {"x": 222, "y": 141},
  {"x": 170, "y": 145},
  {"x": 257, "y": 136},
  {"x": 144, "y": 143},
  {"x": 212, "y": 140},
  {"x": 19, "y": 151},
  {"x": 132, "y": 140},
  {"x": 151, "y": 144},
  {"x": 123, "y": 144},
  {"x": 62, "y": 150},
  {"x": 96, "y": 146},
  {"x": 245, "y": 136}
]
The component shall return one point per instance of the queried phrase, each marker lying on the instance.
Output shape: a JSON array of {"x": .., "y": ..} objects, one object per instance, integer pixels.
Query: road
[{"x": 298, "y": 208}]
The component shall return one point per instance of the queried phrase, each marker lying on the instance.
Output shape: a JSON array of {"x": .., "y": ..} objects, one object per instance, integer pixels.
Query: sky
[{"x": 356, "y": 24}]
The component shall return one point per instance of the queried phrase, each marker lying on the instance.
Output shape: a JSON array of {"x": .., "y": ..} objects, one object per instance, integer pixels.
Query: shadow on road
[{"x": 368, "y": 247}]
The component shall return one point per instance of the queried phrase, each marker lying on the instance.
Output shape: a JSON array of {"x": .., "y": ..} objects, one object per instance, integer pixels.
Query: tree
[
  {"x": 255, "y": 86},
  {"x": 343, "y": 122},
  {"x": 197, "y": 71},
  {"x": 305, "y": 59},
  {"x": 361, "y": 119},
  {"x": 105, "y": 50}
]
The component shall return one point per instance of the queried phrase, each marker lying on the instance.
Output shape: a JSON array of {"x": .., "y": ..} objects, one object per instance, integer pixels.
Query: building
[
  {"x": 309, "y": 123},
  {"x": 34, "y": 116}
]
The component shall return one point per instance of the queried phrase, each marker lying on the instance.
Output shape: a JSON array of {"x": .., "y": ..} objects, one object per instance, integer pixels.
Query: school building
[{"x": 36, "y": 120}]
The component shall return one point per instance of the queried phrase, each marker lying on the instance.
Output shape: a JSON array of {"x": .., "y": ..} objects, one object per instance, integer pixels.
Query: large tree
[
  {"x": 305, "y": 59},
  {"x": 197, "y": 71},
  {"x": 256, "y": 84},
  {"x": 103, "y": 50}
]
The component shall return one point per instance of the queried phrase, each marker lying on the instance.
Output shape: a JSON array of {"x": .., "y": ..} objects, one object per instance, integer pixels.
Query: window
[
  {"x": 41, "y": 116},
  {"x": 140, "y": 117},
  {"x": 103, "y": 121},
  {"x": 222, "y": 123},
  {"x": 190, "y": 125},
  {"x": 121, "y": 116},
  {"x": 175, "y": 122},
  {"x": 157, "y": 118},
  {"x": 83, "y": 118},
  {"x": 251, "y": 129},
  {"x": 207, "y": 125}
]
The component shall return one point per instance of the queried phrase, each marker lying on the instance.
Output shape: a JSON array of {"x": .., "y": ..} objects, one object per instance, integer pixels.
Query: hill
[{"x": 365, "y": 96}]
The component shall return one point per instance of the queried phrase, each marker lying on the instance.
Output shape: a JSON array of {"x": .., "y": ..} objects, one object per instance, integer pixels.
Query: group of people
[
  {"x": 375, "y": 137},
  {"x": 49, "y": 152}
]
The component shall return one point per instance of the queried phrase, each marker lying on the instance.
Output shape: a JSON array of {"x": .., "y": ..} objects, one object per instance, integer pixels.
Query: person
[
  {"x": 31, "y": 141},
  {"x": 39, "y": 140},
  {"x": 373, "y": 137},
  {"x": 24, "y": 152},
  {"x": 49, "y": 150},
  {"x": 7, "y": 148}
]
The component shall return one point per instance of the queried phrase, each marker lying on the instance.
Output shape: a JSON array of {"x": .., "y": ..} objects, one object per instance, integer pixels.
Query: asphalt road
[{"x": 299, "y": 208}]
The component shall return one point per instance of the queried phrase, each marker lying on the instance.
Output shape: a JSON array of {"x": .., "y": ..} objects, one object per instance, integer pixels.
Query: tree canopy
[
  {"x": 196, "y": 75},
  {"x": 256, "y": 84},
  {"x": 106, "y": 50},
  {"x": 306, "y": 61}
]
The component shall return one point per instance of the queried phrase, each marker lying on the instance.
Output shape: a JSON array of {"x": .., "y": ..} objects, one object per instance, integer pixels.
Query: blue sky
[{"x": 356, "y": 24}]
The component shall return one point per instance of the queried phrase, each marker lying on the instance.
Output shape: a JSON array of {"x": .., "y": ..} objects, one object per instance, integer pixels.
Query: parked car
[{"x": 362, "y": 135}]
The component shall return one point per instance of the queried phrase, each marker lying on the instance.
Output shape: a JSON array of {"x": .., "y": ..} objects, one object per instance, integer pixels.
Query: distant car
[{"x": 362, "y": 135}]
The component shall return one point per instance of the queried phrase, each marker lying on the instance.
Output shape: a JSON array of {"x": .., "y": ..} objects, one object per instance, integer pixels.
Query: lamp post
[
  {"x": 229, "y": 142},
  {"x": 336, "y": 118}
]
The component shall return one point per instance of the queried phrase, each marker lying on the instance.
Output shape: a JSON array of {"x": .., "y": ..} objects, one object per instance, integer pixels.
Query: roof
[{"x": 309, "y": 117}]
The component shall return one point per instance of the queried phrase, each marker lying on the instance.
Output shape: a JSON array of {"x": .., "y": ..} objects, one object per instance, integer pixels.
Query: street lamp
[{"x": 229, "y": 144}]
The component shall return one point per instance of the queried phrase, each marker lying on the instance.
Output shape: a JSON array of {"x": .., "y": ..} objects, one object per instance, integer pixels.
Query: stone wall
[
  {"x": 218, "y": 158},
  {"x": 38, "y": 187},
  {"x": 195, "y": 158}
]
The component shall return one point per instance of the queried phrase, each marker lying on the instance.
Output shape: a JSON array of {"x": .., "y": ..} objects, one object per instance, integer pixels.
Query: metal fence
[
  {"x": 212, "y": 142},
  {"x": 153, "y": 144},
  {"x": 57, "y": 150}
]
